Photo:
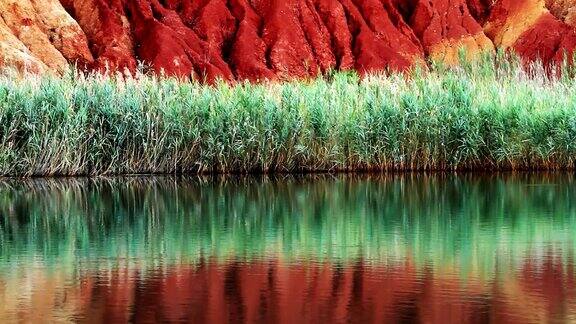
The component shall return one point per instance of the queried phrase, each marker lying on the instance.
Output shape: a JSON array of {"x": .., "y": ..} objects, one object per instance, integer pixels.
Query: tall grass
[{"x": 489, "y": 114}]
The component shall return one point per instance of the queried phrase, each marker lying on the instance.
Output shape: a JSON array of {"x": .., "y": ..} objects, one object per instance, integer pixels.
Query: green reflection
[{"x": 479, "y": 223}]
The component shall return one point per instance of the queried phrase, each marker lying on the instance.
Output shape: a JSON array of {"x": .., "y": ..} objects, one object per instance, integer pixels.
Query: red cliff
[
  {"x": 531, "y": 30},
  {"x": 275, "y": 39}
]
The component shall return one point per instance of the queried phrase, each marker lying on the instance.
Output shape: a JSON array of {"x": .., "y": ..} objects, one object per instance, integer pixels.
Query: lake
[{"x": 432, "y": 248}]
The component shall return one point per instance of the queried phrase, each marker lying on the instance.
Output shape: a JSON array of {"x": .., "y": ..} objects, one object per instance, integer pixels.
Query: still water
[{"x": 494, "y": 248}]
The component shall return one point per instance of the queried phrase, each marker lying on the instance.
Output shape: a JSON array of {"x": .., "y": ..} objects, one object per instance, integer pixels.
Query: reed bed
[{"x": 491, "y": 114}]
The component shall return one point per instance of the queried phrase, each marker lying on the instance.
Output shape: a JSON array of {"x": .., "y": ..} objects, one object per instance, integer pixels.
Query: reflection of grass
[
  {"x": 489, "y": 114},
  {"x": 468, "y": 221}
]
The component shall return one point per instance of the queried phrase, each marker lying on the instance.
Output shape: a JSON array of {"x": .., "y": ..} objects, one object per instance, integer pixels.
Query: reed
[{"x": 490, "y": 114}]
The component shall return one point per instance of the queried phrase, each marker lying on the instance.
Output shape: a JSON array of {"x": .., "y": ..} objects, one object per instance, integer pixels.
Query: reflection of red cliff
[
  {"x": 276, "y": 39},
  {"x": 272, "y": 291}
]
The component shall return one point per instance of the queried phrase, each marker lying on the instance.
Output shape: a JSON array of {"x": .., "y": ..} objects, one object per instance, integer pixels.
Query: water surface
[{"x": 389, "y": 248}]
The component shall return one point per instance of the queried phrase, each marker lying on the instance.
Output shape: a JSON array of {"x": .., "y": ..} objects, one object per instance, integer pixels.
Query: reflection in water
[{"x": 395, "y": 248}]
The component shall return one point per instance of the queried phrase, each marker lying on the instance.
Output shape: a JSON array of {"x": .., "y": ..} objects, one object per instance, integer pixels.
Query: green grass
[{"x": 486, "y": 115}]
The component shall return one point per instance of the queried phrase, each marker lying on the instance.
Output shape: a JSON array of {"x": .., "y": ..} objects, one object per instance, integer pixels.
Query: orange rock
[
  {"x": 563, "y": 9},
  {"x": 48, "y": 32},
  {"x": 509, "y": 19},
  {"x": 445, "y": 27},
  {"x": 21, "y": 18},
  {"x": 15, "y": 55},
  {"x": 530, "y": 30},
  {"x": 63, "y": 31}
]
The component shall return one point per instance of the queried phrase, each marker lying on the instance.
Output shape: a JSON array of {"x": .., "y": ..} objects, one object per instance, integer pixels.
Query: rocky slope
[{"x": 275, "y": 39}]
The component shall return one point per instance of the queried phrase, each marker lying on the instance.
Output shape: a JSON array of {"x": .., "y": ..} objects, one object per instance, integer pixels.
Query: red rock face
[
  {"x": 288, "y": 49},
  {"x": 248, "y": 52},
  {"x": 170, "y": 46},
  {"x": 378, "y": 43},
  {"x": 531, "y": 30},
  {"x": 563, "y": 9},
  {"x": 549, "y": 40},
  {"x": 256, "y": 40},
  {"x": 334, "y": 18},
  {"x": 479, "y": 9},
  {"x": 445, "y": 27},
  {"x": 108, "y": 32}
]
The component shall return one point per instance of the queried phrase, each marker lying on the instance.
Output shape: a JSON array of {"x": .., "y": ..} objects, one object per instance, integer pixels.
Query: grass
[{"x": 487, "y": 115}]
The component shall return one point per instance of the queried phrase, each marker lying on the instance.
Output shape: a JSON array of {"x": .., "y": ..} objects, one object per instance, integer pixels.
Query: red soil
[
  {"x": 528, "y": 28},
  {"x": 550, "y": 40},
  {"x": 334, "y": 18},
  {"x": 438, "y": 20},
  {"x": 104, "y": 21},
  {"x": 282, "y": 39},
  {"x": 479, "y": 9},
  {"x": 248, "y": 51},
  {"x": 379, "y": 44},
  {"x": 446, "y": 26},
  {"x": 288, "y": 50}
]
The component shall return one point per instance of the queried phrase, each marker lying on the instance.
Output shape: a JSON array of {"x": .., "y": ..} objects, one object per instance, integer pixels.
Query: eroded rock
[
  {"x": 563, "y": 9},
  {"x": 528, "y": 28},
  {"x": 15, "y": 55},
  {"x": 248, "y": 52},
  {"x": 63, "y": 31},
  {"x": 445, "y": 27},
  {"x": 22, "y": 20},
  {"x": 108, "y": 31},
  {"x": 378, "y": 44},
  {"x": 276, "y": 39}
]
